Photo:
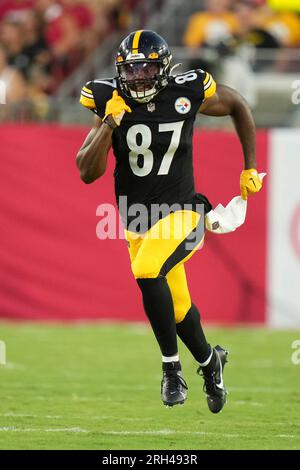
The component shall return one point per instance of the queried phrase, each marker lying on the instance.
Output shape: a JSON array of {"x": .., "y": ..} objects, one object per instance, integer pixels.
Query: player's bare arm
[
  {"x": 92, "y": 157},
  {"x": 228, "y": 102}
]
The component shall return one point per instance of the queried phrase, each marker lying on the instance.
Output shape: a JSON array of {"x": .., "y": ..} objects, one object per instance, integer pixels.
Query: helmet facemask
[{"x": 141, "y": 80}]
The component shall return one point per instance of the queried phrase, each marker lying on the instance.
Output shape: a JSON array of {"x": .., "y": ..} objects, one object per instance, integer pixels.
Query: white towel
[{"x": 227, "y": 219}]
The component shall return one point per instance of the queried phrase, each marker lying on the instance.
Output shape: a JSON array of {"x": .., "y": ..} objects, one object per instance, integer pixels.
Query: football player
[{"x": 146, "y": 115}]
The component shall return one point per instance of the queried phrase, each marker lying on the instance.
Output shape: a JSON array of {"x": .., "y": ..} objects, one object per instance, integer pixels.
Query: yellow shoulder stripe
[
  {"x": 207, "y": 77},
  {"x": 210, "y": 88},
  {"x": 87, "y": 102},
  {"x": 87, "y": 90},
  {"x": 135, "y": 41}
]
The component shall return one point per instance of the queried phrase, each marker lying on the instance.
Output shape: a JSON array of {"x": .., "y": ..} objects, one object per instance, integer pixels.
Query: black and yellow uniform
[
  {"x": 153, "y": 151},
  {"x": 152, "y": 116},
  {"x": 153, "y": 146}
]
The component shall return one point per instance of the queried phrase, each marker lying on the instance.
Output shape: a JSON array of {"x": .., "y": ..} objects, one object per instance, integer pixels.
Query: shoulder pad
[
  {"x": 87, "y": 96},
  {"x": 197, "y": 80},
  {"x": 209, "y": 85},
  {"x": 95, "y": 94}
]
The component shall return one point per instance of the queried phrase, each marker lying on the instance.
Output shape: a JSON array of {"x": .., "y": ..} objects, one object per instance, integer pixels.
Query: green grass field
[{"x": 98, "y": 387}]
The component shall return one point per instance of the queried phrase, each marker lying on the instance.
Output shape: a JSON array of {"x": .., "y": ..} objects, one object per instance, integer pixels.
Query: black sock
[
  {"x": 171, "y": 366},
  {"x": 191, "y": 334},
  {"x": 158, "y": 305}
]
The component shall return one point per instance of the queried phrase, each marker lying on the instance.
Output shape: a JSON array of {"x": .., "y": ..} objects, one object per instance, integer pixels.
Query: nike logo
[
  {"x": 221, "y": 384},
  {"x": 251, "y": 179}
]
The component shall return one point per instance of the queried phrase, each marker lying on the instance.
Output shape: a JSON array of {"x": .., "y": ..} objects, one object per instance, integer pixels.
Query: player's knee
[
  {"x": 194, "y": 312},
  {"x": 145, "y": 269},
  {"x": 180, "y": 314}
]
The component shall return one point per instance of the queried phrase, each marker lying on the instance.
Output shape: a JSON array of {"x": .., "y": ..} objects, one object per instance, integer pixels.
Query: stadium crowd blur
[
  {"x": 229, "y": 34},
  {"x": 43, "y": 41},
  {"x": 253, "y": 21}
]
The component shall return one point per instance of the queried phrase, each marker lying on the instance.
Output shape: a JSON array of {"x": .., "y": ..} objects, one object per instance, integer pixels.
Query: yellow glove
[
  {"x": 250, "y": 182},
  {"x": 116, "y": 107}
]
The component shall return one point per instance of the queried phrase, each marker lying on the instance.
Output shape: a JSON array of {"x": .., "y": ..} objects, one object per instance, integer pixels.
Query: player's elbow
[{"x": 88, "y": 177}]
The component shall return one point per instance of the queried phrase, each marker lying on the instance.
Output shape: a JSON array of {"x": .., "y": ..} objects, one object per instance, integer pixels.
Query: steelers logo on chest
[{"x": 182, "y": 105}]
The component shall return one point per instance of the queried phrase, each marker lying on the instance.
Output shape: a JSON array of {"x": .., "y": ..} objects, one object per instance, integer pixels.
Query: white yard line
[
  {"x": 246, "y": 403},
  {"x": 158, "y": 432},
  {"x": 166, "y": 432},
  {"x": 40, "y": 430},
  {"x": 270, "y": 390},
  {"x": 13, "y": 366},
  {"x": 76, "y": 430},
  {"x": 20, "y": 415},
  {"x": 87, "y": 418}
]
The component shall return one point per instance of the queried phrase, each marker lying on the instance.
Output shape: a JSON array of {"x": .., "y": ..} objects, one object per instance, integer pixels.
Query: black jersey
[{"x": 153, "y": 144}]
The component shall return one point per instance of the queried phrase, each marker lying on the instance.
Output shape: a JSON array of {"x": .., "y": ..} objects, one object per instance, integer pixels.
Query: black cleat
[
  {"x": 213, "y": 381},
  {"x": 173, "y": 388}
]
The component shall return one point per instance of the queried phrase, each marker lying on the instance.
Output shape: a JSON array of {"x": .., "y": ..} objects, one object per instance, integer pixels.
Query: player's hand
[
  {"x": 116, "y": 108},
  {"x": 250, "y": 182}
]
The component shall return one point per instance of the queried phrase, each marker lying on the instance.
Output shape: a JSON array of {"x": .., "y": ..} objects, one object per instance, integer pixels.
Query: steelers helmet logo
[{"x": 182, "y": 105}]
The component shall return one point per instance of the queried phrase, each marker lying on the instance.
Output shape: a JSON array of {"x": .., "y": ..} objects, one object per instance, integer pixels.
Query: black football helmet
[{"x": 143, "y": 65}]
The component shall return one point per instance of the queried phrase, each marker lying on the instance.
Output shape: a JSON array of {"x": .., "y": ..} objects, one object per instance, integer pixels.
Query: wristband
[{"x": 109, "y": 120}]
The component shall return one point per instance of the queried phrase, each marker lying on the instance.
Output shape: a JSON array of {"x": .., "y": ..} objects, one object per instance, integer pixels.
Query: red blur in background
[{"x": 52, "y": 265}]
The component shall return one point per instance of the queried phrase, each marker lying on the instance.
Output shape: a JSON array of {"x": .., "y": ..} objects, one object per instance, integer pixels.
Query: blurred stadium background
[{"x": 53, "y": 267}]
